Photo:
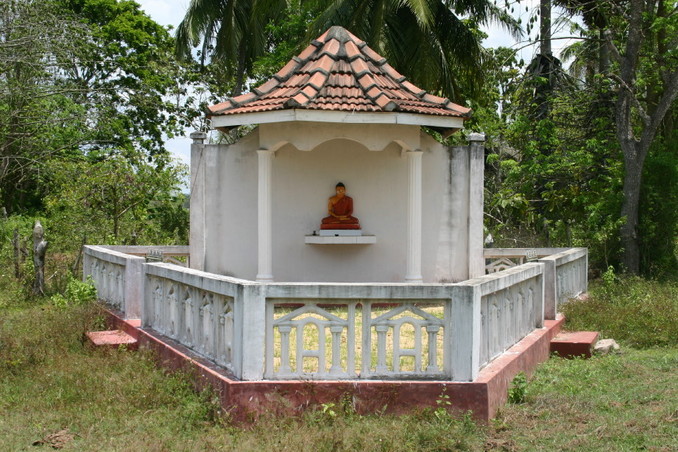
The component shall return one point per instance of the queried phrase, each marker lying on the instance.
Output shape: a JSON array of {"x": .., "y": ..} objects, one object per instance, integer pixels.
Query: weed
[
  {"x": 518, "y": 389},
  {"x": 443, "y": 405},
  {"x": 328, "y": 409},
  {"x": 77, "y": 293}
]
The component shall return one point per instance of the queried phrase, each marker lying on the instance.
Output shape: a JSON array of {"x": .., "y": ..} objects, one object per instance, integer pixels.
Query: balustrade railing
[
  {"x": 566, "y": 271},
  {"x": 339, "y": 331},
  {"x": 359, "y": 338},
  {"x": 512, "y": 306},
  {"x": 196, "y": 314}
]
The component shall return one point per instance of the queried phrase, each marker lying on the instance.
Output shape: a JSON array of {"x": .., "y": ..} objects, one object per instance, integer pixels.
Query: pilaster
[
  {"x": 264, "y": 216},
  {"x": 476, "y": 261},
  {"x": 414, "y": 211}
]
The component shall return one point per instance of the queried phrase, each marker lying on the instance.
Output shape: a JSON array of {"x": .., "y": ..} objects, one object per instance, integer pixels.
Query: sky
[{"x": 170, "y": 12}]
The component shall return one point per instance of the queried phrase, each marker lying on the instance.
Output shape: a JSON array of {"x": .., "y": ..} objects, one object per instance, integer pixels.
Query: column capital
[
  {"x": 198, "y": 137},
  {"x": 476, "y": 138}
]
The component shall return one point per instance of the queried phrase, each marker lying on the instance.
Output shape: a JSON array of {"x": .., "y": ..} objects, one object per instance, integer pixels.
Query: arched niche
[{"x": 308, "y": 136}]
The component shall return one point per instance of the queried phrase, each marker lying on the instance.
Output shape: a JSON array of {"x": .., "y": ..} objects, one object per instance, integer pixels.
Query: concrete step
[
  {"x": 112, "y": 338},
  {"x": 569, "y": 344}
]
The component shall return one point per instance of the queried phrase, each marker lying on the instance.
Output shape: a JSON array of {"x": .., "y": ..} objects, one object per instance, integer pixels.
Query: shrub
[{"x": 77, "y": 293}]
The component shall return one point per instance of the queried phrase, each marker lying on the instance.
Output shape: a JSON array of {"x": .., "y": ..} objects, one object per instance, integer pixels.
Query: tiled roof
[{"x": 339, "y": 72}]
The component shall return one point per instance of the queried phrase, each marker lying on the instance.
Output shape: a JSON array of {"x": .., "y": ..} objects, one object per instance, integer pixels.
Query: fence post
[
  {"x": 249, "y": 352},
  {"x": 466, "y": 330},
  {"x": 550, "y": 288},
  {"x": 135, "y": 277},
  {"x": 198, "y": 233}
]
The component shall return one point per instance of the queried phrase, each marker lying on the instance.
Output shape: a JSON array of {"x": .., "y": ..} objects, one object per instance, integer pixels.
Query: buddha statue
[{"x": 340, "y": 209}]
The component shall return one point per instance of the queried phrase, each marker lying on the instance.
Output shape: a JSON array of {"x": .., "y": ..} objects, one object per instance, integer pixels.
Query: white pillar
[
  {"x": 198, "y": 229},
  {"x": 265, "y": 226},
  {"x": 476, "y": 260},
  {"x": 413, "y": 273}
]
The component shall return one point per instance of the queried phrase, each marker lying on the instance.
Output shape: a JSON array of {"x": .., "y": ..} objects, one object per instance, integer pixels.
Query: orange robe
[{"x": 344, "y": 208}]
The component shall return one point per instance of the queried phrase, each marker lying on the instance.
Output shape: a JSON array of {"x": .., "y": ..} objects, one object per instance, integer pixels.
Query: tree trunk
[{"x": 630, "y": 208}]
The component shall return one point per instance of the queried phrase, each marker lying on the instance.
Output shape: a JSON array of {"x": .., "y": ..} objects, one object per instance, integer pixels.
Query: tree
[
  {"x": 37, "y": 117},
  {"x": 232, "y": 33},
  {"x": 647, "y": 85},
  {"x": 436, "y": 43},
  {"x": 80, "y": 77},
  {"x": 115, "y": 199}
]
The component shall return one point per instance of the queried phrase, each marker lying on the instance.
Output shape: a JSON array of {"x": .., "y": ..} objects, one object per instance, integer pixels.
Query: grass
[
  {"x": 636, "y": 312},
  {"x": 118, "y": 400}
]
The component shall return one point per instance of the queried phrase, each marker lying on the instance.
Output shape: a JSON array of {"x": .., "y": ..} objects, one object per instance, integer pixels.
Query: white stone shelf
[{"x": 341, "y": 240}]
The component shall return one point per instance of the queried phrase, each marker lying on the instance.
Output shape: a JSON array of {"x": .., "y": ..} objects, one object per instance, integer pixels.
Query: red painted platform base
[
  {"x": 245, "y": 400},
  {"x": 571, "y": 344},
  {"x": 113, "y": 338}
]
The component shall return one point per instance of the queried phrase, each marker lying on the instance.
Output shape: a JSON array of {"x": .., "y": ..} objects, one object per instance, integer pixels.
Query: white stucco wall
[{"x": 302, "y": 182}]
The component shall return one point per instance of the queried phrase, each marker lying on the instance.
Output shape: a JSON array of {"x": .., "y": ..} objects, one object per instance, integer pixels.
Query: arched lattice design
[
  {"x": 311, "y": 342},
  {"x": 502, "y": 263},
  {"x": 406, "y": 340}
]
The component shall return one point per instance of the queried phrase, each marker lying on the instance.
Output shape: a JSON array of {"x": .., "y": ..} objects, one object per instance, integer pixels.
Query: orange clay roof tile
[{"x": 339, "y": 72}]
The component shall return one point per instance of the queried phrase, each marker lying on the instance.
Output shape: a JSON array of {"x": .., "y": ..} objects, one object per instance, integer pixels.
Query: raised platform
[
  {"x": 112, "y": 338},
  {"x": 570, "y": 344},
  {"x": 245, "y": 400}
]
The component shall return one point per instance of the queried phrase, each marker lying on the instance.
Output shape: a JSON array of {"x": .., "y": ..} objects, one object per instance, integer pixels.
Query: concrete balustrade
[
  {"x": 565, "y": 273},
  {"x": 340, "y": 331}
]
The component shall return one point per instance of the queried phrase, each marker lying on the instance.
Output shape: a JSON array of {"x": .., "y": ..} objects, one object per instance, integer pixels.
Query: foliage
[
  {"x": 631, "y": 310},
  {"x": 37, "y": 118},
  {"x": 518, "y": 388},
  {"x": 559, "y": 180},
  {"x": 435, "y": 43},
  {"x": 81, "y": 76},
  {"x": 77, "y": 292},
  {"x": 116, "y": 200}
]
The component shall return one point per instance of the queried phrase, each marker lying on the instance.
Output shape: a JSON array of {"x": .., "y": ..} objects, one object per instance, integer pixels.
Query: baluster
[
  {"x": 396, "y": 347},
  {"x": 205, "y": 314},
  {"x": 519, "y": 314},
  {"x": 322, "y": 365},
  {"x": 432, "y": 331},
  {"x": 157, "y": 306},
  {"x": 226, "y": 339},
  {"x": 418, "y": 347},
  {"x": 300, "y": 347},
  {"x": 336, "y": 331},
  {"x": 284, "y": 331},
  {"x": 104, "y": 283},
  {"x": 188, "y": 315},
  {"x": 381, "y": 348}
]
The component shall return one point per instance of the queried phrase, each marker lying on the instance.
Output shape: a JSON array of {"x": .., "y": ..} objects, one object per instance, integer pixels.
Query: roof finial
[{"x": 339, "y": 33}]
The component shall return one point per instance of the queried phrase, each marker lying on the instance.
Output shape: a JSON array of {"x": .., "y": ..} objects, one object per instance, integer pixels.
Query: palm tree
[
  {"x": 435, "y": 43},
  {"x": 231, "y": 33}
]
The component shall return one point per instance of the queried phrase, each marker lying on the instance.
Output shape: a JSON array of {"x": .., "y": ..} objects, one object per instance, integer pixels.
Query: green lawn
[{"x": 118, "y": 400}]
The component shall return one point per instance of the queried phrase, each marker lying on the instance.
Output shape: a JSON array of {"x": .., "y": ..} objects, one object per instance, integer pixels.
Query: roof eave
[{"x": 346, "y": 117}]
